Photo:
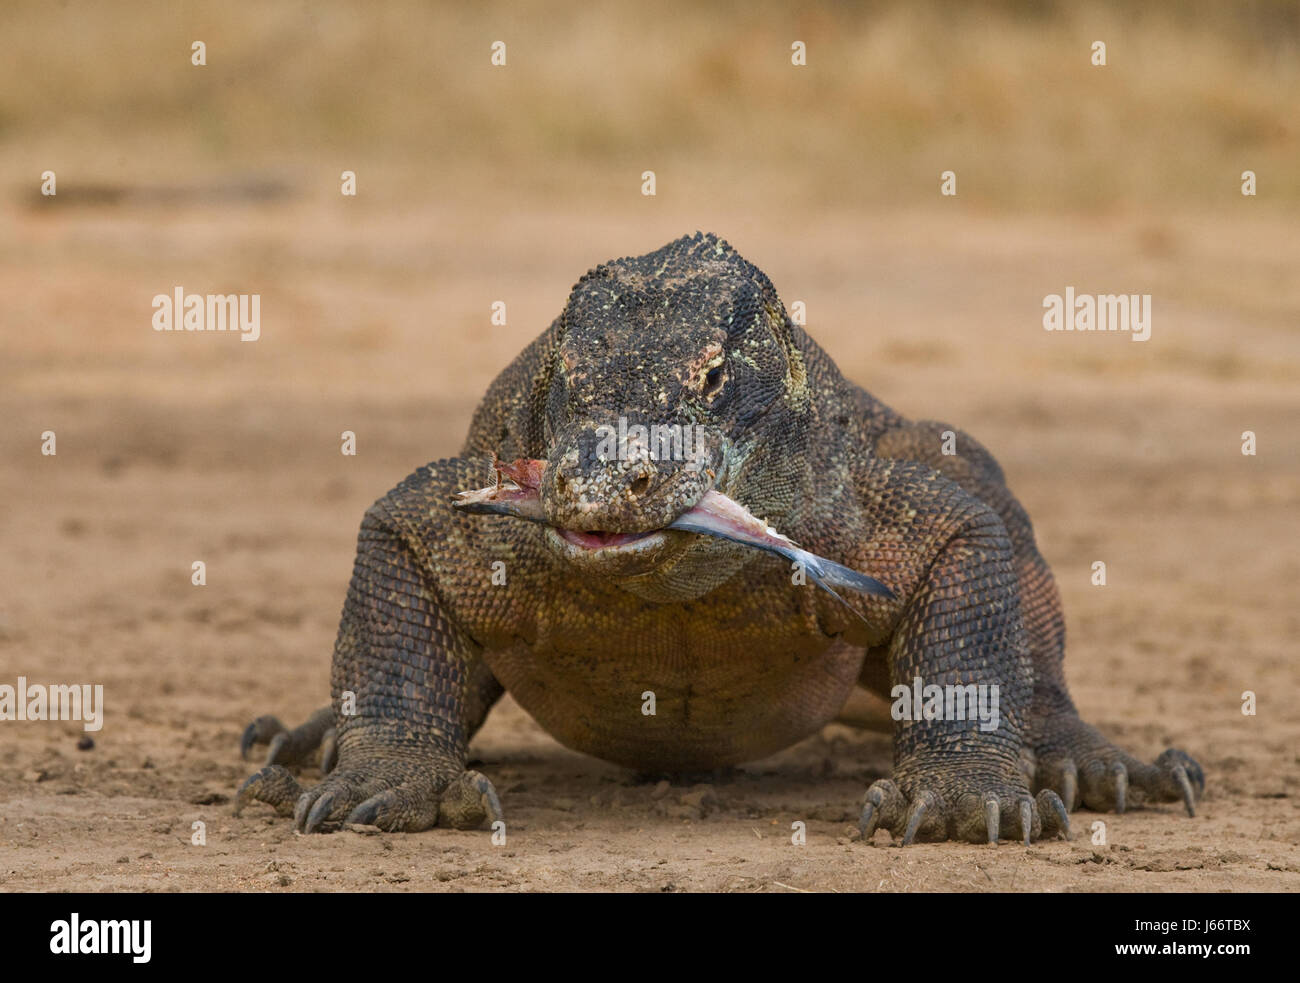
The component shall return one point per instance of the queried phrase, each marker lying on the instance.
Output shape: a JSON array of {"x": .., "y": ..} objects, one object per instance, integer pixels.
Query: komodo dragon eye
[{"x": 714, "y": 381}]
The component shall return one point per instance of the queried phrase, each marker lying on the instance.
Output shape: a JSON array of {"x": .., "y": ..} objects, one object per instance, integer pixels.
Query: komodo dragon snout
[{"x": 611, "y": 481}]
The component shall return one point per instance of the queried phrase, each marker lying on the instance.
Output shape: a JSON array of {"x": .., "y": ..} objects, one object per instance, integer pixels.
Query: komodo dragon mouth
[{"x": 715, "y": 514}]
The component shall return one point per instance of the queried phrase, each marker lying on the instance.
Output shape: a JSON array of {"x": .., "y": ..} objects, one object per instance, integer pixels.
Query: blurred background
[{"x": 479, "y": 183}]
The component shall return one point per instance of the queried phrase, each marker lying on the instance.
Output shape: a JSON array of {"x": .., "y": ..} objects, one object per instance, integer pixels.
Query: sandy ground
[{"x": 175, "y": 448}]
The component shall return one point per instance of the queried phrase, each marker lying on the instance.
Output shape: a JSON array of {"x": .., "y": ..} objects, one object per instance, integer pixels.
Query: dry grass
[{"x": 894, "y": 93}]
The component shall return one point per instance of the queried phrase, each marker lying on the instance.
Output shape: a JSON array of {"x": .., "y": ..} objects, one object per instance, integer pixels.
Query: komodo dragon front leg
[
  {"x": 1068, "y": 755},
  {"x": 956, "y": 622},
  {"x": 420, "y": 686}
]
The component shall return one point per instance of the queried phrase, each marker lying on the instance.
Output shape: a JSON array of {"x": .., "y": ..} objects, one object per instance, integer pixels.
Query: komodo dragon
[{"x": 594, "y": 603}]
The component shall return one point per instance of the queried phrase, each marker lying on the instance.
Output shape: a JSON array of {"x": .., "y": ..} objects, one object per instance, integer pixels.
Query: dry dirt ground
[{"x": 175, "y": 448}]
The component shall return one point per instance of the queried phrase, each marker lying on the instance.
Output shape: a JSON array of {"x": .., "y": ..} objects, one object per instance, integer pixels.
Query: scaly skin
[{"x": 743, "y": 661}]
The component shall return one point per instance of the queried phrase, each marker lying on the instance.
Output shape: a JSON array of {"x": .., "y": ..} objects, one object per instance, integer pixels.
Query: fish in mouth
[{"x": 517, "y": 493}]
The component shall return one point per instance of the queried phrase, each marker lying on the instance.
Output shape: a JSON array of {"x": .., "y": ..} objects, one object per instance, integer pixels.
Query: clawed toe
[
  {"x": 882, "y": 806},
  {"x": 396, "y": 794},
  {"x": 1055, "y": 814},
  {"x": 1111, "y": 780},
  {"x": 292, "y": 746},
  {"x": 261, "y": 731},
  {"x": 366, "y": 813},
  {"x": 1027, "y": 820},
  {"x": 311, "y": 812},
  {"x": 469, "y": 801},
  {"x": 925, "y": 804},
  {"x": 1119, "y": 786},
  {"x": 974, "y": 816},
  {"x": 1180, "y": 778},
  {"x": 273, "y": 785}
]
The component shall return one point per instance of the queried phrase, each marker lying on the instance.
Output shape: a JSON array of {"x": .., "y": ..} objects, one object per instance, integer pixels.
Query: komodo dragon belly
[{"x": 669, "y": 700}]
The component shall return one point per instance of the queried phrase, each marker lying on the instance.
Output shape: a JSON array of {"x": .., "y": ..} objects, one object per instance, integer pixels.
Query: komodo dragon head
[{"x": 678, "y": 404}]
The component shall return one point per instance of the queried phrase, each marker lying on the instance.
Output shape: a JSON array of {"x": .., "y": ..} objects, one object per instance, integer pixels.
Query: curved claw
[
  {"x": 275, "y": 754},
  {"x": 366, "y": 813},
  {"x": 1185, "y": 786},
  {"x": 320, "y": 812},
  {"x": 1070, "y": 786},
  {"x": 1053, "y": 809},
  {"x": 1197, "y": 776},
  {"x": 1121, "y": 787},
  {"x": 914, "y": 818},
  {"x": 872, "y": 803},
  {"x": 1027, "y": 820},
  {"x": 260, "y": 731},
  {"x": 488, "y": 797},
  {"x": 883, "y": 805},
  {"x": 273, "y": 785},
  {"x": 992, "y": 818},
  {"x": 1185, "y": 776}
]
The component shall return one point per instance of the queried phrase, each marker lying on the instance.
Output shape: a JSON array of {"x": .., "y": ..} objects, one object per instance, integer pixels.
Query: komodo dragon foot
[
  {"x": 967, "y": 807},
  {"x": 394, "y": 792},
  {"x": 1075, "y": 760}
]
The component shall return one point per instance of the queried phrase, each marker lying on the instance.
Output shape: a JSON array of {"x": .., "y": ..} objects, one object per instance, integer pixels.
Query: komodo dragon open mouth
[{"x": 714, "y": 514}]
